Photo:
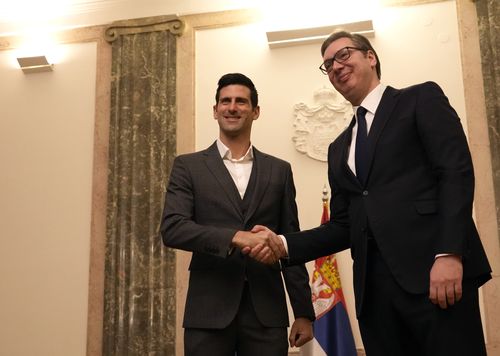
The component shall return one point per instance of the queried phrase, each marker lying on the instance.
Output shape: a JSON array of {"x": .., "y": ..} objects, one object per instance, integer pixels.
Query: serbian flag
[{"x": 332, "y": 330}]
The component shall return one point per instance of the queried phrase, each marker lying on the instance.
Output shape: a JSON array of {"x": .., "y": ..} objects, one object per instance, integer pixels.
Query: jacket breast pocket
[{"x": 426, "y": 207}]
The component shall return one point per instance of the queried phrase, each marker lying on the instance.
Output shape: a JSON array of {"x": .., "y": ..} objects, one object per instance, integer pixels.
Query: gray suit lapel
[
  {"x": 216, "y": 166},
  {"x": 262, "y": 165}
]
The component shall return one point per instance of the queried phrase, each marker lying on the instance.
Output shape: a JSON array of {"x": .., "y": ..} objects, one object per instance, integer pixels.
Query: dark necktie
[{"x": 361, "y": 153}]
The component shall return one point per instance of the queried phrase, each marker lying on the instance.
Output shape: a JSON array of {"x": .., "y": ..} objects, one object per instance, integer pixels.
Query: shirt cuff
[
  {"x": 444, "y": 254},
  {"x": 284, "y": 243}
]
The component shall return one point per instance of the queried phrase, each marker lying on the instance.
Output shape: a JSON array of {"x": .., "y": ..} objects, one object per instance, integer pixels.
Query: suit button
[{"x": 365, "y": 192}]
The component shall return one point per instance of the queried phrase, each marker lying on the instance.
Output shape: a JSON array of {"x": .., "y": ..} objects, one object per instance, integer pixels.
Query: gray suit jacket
[{"x": 203, "y": 212}]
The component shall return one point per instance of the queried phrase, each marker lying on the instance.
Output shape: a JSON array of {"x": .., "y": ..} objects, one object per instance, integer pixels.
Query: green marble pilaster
[
  {"x": 488, "y": 12},
  {"x": 139, "y": 300}
]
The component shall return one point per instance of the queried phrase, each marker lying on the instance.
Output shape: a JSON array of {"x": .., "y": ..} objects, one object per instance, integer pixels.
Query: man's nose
[
  {"x": 232, "y": 105},
  {"x": 336, "y": 66}
]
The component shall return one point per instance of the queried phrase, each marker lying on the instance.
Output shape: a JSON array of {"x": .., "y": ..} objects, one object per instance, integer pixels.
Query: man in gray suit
[{"x": 235, "y": 305}]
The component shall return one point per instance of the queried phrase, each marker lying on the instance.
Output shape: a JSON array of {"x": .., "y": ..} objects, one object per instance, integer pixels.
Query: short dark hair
[
  {"x": 238, "y": 79},
  {"x": 359, "y": 41}
]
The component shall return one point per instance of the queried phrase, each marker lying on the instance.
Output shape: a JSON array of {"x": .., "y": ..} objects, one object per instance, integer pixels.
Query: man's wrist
[
  {"x": 236, "y": 242},
  {"x": 237, "y": 239}
]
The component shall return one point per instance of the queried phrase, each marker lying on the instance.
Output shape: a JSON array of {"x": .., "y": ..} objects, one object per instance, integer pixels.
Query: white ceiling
[
  {"x": 32, "y": 17},
  {"x": 20, "y": 15}
]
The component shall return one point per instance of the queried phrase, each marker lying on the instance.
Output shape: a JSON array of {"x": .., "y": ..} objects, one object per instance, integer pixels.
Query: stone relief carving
[
  {"x": 315, "y": 127},
  {"x": 143, "y": 25}
]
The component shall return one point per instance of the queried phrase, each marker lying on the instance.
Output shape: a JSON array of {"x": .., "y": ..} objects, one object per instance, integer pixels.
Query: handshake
[{"x": 261, "y": 244}]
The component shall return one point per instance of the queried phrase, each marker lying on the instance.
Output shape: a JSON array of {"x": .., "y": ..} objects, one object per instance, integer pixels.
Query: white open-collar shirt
[{"x": 240, "y": 169}]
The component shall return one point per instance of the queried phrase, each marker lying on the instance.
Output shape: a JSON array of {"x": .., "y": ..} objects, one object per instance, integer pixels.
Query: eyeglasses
[{"x": 341, "y": 56}]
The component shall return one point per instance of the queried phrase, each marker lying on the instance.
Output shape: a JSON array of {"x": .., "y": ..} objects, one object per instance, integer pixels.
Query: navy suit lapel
[
  {"x": 216, "y": 166},
  {"x": 384, "y": 112},
  {"x": 262, "y": 165}
]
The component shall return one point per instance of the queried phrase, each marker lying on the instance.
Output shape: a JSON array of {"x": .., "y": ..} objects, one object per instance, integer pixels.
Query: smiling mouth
[{"x": 343, "y": 77}]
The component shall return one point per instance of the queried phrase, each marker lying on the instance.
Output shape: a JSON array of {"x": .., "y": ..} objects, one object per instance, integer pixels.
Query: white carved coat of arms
[{"x": 315, "y": 127}]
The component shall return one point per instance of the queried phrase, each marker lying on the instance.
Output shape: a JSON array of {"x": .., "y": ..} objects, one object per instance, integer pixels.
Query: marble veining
[
  {"x": 140, "y": 289},
  {"x": 488, "y": 12}
]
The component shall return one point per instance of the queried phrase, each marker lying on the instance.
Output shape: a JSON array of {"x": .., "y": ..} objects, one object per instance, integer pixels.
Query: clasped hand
[{"x": 261, "y": 244}]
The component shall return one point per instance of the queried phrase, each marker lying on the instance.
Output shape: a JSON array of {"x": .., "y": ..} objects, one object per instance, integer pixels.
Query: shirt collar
[
  {"x": 372, "y": 100},
  {"x": 225, "y": 153}
]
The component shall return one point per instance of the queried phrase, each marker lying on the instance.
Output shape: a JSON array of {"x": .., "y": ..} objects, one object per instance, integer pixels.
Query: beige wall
[{"x": 46, "y": 149}]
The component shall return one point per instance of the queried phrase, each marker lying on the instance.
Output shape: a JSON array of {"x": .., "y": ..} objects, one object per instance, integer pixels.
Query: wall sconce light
[
  {"x": 302, "y": 36},
  {"x": 35, "y": 64}
]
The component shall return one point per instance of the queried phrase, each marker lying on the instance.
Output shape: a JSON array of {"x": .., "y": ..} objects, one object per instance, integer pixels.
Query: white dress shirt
[
  {"x": 370, "y": 103},
  {"x": 240, "y": 169}
]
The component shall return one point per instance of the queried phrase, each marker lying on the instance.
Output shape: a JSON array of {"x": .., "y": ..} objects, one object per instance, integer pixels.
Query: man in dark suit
[
  {"x": 402, "y": 186},
  {"x": 235, "y": 305}
]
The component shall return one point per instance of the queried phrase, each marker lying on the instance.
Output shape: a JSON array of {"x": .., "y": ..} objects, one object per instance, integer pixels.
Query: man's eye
[{"x": 342, "y": 56}]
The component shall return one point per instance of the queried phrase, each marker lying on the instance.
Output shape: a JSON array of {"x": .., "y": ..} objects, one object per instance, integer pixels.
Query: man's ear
[
  {"x": 372, "y": 57},
  {"x": 215, "y": 112},
  {"x": 256, "y": 111}
]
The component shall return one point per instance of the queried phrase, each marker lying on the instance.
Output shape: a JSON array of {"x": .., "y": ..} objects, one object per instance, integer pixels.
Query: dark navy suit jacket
[{"x": 417, "y": 201}]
